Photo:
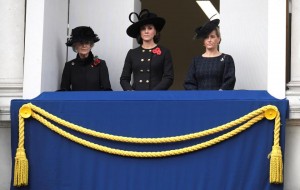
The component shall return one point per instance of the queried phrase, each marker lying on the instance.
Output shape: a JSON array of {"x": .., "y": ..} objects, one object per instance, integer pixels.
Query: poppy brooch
[
  {"x": 156, "y": 51},
  {"x": 96, "y": 61}
]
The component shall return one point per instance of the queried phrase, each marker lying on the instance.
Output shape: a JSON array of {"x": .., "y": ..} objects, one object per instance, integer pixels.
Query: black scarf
[{"x": 85, "y": 61}]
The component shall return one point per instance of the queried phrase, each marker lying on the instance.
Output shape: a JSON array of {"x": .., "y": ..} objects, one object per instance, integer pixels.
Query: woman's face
[
  {"x": 83, "y": 48},
  {"x": 148, "y": 32},
  {"x": 212, "y": 40}
]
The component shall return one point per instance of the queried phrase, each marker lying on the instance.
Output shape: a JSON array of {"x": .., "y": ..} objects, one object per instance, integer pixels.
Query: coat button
[
  {"x": 148, "y": 70},
  {"x": 141, "y": 70},
  {"x": 142, "y": 59},
  {"x": 143, "y": 50},
  {"x": 147, "y": 81},
  {"x": 148, "y": 59},
  {"x": 141, "y": 81}
]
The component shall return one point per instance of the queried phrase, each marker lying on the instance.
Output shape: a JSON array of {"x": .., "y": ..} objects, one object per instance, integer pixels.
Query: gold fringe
[
  {"x": 276, "y": 165},
  {"x": 21, "y": 168}
]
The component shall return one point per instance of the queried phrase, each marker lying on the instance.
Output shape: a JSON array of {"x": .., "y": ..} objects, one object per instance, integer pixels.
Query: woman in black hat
[
  {"x": 86, "y": 72},
  {"x": 212, "y": 70},
  {"x": 150, "y": 64}
]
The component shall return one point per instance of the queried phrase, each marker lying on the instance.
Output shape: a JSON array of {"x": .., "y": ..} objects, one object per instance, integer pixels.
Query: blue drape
[{"x": 240, "y": 163}]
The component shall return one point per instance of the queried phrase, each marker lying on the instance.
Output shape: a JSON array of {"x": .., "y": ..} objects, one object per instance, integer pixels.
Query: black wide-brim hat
[
  {"x": 145, "y": 17},
  {"x": 206, "y": 29},
  {"x": 82, "y": 34}
]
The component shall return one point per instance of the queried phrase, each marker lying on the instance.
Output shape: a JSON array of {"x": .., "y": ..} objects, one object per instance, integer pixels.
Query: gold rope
[
  {"x": 149, "y": 140},
  {"x": 146, "y": 154},
  {"x": 269, "y": 111},
  {"x": 276, "y": 164},
  {"x": 21, "y": 162}
]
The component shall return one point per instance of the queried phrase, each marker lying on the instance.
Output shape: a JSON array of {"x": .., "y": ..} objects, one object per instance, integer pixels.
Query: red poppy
[
  {"x": 156, "y": 51},
  {"x": 96, "y": 61}
]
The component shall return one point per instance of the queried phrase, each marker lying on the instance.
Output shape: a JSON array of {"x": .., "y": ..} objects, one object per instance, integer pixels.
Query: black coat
[
  {"x": 90, "y": 74},
  {"x": 211, "y": 73},
  {"x": 150, "y": 71}
]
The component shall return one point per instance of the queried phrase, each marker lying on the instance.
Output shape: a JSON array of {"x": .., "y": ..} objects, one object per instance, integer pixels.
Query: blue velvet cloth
[{"x": 239, "y": 163}]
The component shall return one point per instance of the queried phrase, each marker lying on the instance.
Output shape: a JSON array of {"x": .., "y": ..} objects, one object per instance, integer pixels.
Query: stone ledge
[
  {"x": 294, "y": 103},
  {"x": 9, "y": 89},
  {"x": 293, "y": 122},
  {"x": 5, "y": 124},
  {"x": 4, "y": 113}
]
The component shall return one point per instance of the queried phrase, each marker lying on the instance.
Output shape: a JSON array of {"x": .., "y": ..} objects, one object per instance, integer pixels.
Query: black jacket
[
  {"x": 151, "y": 71},
  {"x": 90, "y": 74},
  {"x": 211, "y": 73}
]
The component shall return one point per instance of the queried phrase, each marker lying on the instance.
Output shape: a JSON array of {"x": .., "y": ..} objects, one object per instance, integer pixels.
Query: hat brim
[
  {"x": 203, "y": 31},
  {"x": 71, "y": 41},
  {"x": 134, "y": 29}
]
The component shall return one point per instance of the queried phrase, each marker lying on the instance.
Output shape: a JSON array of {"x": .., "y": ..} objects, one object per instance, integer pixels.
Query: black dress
[
  {"x": 211, "y": 73},
  {"x": 152, "y": 69},
  {"x": 90, "y": 74}
]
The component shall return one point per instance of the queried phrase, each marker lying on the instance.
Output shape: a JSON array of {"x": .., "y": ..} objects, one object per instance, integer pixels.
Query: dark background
[{"x": 182, "y": 17}]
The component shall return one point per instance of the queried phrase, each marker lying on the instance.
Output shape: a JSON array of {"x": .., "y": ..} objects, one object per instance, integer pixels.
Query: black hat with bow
[
  {"x": 145, "y": 17},
  {"x": 82, "y": 34},
  {"x": 203, "y": 31}
]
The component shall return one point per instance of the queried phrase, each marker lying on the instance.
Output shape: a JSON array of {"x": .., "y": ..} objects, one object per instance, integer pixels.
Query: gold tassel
[
  {"x": 276, "y": 165},
  {"x": 21, "y": 168}
]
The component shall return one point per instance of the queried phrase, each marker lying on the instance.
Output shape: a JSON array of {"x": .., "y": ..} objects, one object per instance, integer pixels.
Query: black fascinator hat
[
  {"x": 145, "y": 17},
  {"x": 82, "y": 34},
  {"x": 203, "y": 31}
]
